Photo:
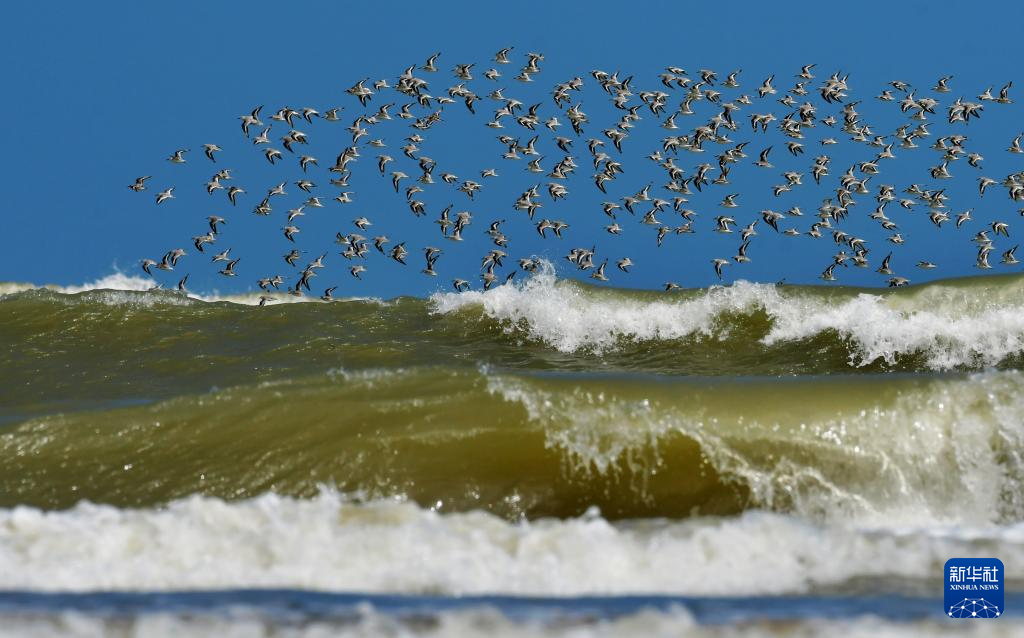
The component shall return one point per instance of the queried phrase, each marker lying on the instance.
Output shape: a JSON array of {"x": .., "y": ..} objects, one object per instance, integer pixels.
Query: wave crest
[
  {"x": 327, "y": 543},
  {"x": 968, "y": 323}
]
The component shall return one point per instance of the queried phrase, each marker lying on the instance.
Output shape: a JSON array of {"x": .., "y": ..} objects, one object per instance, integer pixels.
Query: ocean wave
[
  {"x": 109, "y": 287},
  {"x": 882, "y": 452},
  {"x": 872, "y": 451},
  {"x": 115, "y": 281},
  {"x": 367, "y": 622},
  {"x": 742, "y": 329},
  {"x": 974, "y": 322},
  {"x": 326, "y": 543}
]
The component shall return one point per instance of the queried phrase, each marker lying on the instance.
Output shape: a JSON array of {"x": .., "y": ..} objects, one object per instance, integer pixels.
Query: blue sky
[{"x": 98, "y": 95}]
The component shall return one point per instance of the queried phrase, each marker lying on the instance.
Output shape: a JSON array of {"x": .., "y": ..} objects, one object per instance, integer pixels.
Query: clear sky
[{"x": 97, "y": 94}]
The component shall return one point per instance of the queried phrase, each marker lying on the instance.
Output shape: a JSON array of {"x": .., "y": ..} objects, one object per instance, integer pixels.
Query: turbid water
[{"x": 543, "y": 439}]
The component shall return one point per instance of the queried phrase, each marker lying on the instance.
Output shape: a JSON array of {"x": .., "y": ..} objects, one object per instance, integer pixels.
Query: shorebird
[
  {"x": 229, "y": 270},
  {"x": 251, "y": 119},
  {"x": 741, "y": 256},
  {"x": 233, "y": 194},
  {"x": 884, "y": 268},
  {"x": 163, "y": 196},
  {"x": 723, "y": 224},
  {"x": 399, "y": 252},
  {"x": 693, "y": 115}
]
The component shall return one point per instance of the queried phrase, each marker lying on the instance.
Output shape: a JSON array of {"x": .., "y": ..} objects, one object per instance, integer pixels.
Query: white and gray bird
[{"x": 163, "y": 196}]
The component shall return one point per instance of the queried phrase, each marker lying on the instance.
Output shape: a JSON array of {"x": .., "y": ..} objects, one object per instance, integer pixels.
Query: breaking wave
[
  {"x": 969, "y": 322},
  {"x": 326, "y": 543},
  {"x": 862, "y": 450}
]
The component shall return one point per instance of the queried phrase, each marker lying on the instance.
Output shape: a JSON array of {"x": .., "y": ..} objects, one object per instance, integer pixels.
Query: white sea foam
[
  {"x": 878, "y": 453},
  {"x": 951, "y": 325},
  {"x": 484, "y": 621},
  {"x": 119, "y": 282},
  {"x": 115, "y": 281},
  {"x": 568, "y": 318},
  {"x": 881, "y": 328},
  {"x": 328, "y": 544}
]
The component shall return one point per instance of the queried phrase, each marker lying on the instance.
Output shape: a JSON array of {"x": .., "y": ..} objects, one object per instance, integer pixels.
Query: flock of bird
[{"x": 519, "y": 126}]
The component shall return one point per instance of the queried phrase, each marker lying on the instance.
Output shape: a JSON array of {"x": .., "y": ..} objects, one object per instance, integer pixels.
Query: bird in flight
[{"x": 660, "y": 154}]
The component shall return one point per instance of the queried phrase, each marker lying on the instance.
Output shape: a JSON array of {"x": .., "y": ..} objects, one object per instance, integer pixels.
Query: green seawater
[{"x": 543, "y": 399}]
